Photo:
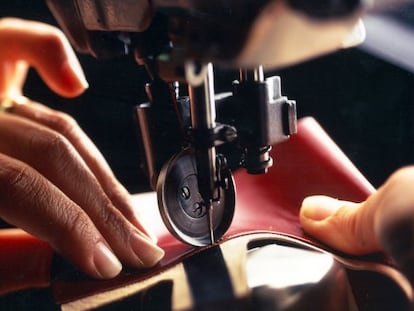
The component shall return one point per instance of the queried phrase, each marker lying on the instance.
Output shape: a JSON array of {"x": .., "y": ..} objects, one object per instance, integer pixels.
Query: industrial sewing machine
[
  {"x": 192, "y": 138},
  {"x": 189, "y": 139}
]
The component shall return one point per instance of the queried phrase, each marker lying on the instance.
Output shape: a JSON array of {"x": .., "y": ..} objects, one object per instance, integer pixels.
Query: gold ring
[{"x": 8, "y": 103}]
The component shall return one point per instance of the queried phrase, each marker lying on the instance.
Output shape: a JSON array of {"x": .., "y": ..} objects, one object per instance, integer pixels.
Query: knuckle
[
  {"x": 396, "y": 198},
  {"x": 49, "y": 151},
  {"x": 117, "y": 193},
  {"x": 113, "y": 219},
  {"x": 404, "y": 175},
  {"x": 109, "y": 217},
  {"x": 17, "y": 179},
  {"x": 360, "y": 234},
  {"x": 63, "y": 123},
  {"x": 397, "y": 191},
  {"x": 53, "y": 39},
  {"x": 55, "y": 147},
  {"x": 74, "y": 229},
  {"x": 76, "y": 221},
  {"x": 352, "y": 230}
]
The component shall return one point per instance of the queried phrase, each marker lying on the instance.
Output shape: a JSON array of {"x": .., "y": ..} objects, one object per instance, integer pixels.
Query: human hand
[
  {"x": 384, "y": 222},
  {"x": 55, "y": 184}
]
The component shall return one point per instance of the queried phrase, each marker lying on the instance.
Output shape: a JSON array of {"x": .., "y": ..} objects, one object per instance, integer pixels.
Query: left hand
[{"x": 55, "y": 184}]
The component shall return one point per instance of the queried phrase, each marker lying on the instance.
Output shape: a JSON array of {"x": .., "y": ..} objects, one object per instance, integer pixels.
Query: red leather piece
[
  {"x": 25, "y": 261},
  {"x": 309, "y": 163}
]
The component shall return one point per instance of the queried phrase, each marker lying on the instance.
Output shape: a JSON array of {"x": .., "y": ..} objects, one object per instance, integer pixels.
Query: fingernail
[
  {"x": 73, "y": 71},
  {"x": 149, "y": 236},
  {"x": 152, "y": 236},
  {"x": 318, "y": 208},
  {"x": 148, "y": 254},
  {"x": 106, "y": 263},
  {"x": 77, "y": 69}
]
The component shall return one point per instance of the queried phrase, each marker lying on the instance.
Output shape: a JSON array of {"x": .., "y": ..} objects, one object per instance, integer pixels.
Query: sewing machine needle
[{"x": 210, "y": 221}]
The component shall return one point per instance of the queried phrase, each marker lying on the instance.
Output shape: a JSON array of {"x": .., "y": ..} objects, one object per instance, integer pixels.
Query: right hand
[{"x": 384, "y": 222}]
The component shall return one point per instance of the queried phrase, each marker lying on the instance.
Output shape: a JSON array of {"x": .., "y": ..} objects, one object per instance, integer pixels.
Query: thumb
[
  {"x": 384, "y": 222},
  {"x": 343, "y": 225}
]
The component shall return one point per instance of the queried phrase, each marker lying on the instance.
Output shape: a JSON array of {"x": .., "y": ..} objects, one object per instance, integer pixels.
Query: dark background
[{"x": 364, "y": 103}]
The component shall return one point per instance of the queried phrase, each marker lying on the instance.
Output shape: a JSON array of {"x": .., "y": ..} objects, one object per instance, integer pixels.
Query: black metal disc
[{"x": 182, "y": 208}]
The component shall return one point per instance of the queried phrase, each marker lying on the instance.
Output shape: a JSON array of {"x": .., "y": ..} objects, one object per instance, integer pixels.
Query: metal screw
[
  {"x": 198, "y": 209},
  {"x": 185, "y": 193}
]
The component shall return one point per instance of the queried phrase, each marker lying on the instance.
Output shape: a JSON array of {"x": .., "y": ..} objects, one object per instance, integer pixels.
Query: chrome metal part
[
  {"x": 203, "y": 120},
  {"x": 210, "y": 213},
  {"x": 186, "y": 214},
  {"x": 255, "y": 74}
]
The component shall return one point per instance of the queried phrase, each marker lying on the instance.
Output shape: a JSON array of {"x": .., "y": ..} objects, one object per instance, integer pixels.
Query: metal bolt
[
  {"x": 185, "y": 193},
  {"x": 198, "y": 209}
]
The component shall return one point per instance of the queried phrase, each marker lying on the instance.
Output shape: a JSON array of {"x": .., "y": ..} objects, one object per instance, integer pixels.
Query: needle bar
[{"x": 210, "y": 221}]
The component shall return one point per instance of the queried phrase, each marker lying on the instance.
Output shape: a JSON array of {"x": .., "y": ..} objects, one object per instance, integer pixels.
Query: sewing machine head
[
  {"x": 186, "y": 142},
  {"x": 233, "y": 33}
]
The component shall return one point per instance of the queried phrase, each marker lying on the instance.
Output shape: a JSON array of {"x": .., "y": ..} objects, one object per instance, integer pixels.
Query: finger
[
  {"x": 31, "y": 202},
  {"x": 55, "y": 158},
  {"x": 46, "y": 48},
  {"x": 343, "y": 225},
  {"x": 12, "y": 77},
  {"x": 385, "y": 222},
  {"x": 68, "y": 127},
  {"x": 394, "y": 226}
]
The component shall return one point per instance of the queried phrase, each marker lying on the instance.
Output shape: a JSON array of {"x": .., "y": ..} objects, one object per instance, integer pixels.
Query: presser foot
[{"x": 187, "y": 216}]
